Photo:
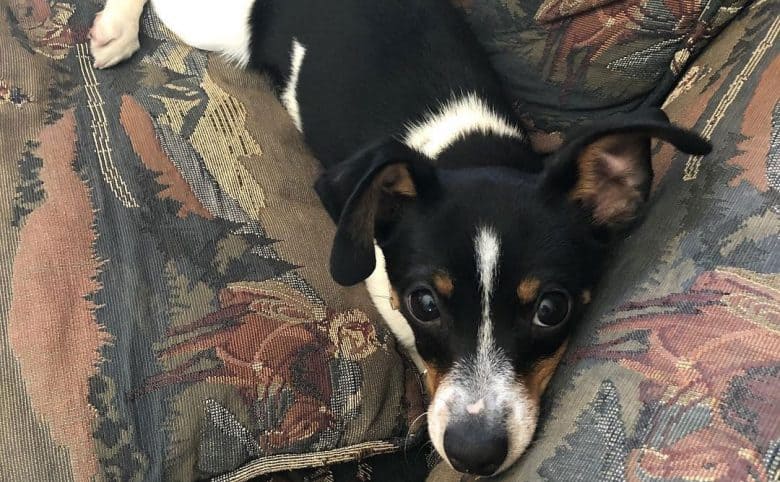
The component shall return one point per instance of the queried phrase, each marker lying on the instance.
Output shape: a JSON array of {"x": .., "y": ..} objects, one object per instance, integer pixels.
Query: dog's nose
[{"x": 475, "y": 446}]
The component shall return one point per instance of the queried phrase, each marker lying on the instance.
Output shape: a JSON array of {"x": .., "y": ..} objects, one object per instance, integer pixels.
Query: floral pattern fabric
[
  {"x": 565, "y": 61},
  {"x": 165, "y": 311}
]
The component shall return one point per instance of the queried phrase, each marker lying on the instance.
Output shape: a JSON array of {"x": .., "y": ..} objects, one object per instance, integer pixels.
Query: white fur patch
[
  {"x": 476, "y": 407},
  {"x": 523, "y": 415},
  {"x": 454, "y": 121},
  {"x": 114, "y": 33},
  {"x": 379, "y": 288},
  {"x": 439, "y": 416},
  {"x": 289, "y": 97},
  {"x": 216, "y": 26}
]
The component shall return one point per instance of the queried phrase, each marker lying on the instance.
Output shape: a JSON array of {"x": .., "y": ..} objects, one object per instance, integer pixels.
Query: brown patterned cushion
[{"x": 165, "y": 307}]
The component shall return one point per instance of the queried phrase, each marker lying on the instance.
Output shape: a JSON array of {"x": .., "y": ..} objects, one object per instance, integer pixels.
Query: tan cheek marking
[
  {"x": 540, "y": 375},
  {"x": 432, "y": 379},
  {"x": 443, "y": 283},
  {"x": 395, "y": 301},
  {"x": 528, "y": 289},
  {"x": 586, "y": 297}
]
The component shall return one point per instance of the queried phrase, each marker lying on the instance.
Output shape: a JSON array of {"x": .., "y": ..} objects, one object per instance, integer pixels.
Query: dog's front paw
[{"x": 113, "y": 38}]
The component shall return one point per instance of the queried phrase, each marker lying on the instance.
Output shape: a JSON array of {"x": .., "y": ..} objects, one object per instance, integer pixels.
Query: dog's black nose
[{"x": 475, "y": 446}]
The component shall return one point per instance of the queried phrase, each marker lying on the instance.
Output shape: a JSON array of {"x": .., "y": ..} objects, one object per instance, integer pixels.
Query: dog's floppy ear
[
  {"x": 605, "y": 166},
  {"x": 366, "y": 194}
]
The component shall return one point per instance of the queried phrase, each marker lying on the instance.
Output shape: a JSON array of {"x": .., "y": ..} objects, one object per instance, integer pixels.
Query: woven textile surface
[
  {"x": 166, "y": 312},
  {"x": 165, "y": 307},
  {"x": 564, "y": 61}
]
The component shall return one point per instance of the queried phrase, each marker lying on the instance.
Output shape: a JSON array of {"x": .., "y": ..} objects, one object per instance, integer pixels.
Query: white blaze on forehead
[
  {"x": 488, "y": 250},
  {"x": 485, "y": 385}
]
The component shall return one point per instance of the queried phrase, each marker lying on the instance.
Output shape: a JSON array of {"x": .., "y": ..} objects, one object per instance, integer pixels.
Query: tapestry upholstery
[
  {"x": 674, "y": 375},
  {"x": 566, "y": 61},
  {"x": 166, "y": 312}
]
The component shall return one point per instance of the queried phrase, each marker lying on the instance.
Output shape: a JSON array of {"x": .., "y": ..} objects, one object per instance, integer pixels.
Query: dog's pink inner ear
[{"x": 612, "y": 173}]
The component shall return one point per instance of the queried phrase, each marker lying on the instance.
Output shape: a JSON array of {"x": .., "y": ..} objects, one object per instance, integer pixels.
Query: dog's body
[{"x": 488, "y": 251}]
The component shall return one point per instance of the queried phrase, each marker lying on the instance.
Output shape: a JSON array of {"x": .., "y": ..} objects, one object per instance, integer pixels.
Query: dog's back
[{"x": 367, "y": 68}]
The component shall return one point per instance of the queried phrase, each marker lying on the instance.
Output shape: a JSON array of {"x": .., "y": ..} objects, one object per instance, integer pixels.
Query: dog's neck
[{"x": 455, "y": 120}]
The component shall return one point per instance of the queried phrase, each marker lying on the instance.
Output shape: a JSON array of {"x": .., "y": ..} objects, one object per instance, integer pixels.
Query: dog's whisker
[
  {"x": 417, "y": 419},
  {"x": 411, "y": 427}
]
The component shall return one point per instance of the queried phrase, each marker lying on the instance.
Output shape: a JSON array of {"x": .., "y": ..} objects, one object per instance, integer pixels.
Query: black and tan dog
[{"x": 488, "y": 250}]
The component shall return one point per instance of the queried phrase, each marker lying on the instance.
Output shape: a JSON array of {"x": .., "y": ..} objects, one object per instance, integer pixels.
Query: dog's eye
[
  {"x": 422, "y": 305},
  {"x": 552, "y": 308}
]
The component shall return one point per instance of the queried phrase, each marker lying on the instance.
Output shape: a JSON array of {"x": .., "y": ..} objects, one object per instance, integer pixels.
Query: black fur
[{"x": 371, "y": 66}]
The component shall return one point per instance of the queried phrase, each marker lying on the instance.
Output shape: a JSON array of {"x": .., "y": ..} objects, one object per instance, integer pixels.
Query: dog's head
[{"x": 492, "y": 267}]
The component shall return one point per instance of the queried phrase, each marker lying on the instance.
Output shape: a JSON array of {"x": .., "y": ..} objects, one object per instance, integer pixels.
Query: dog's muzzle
[{"x": 482, "y": 426}]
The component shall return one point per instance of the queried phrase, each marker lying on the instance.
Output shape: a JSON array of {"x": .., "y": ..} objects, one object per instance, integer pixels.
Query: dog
[{"x": 480, "y": 254}]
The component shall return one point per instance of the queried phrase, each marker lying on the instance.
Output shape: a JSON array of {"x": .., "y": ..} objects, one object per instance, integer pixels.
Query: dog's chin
[{"x": 521, "y": 411}]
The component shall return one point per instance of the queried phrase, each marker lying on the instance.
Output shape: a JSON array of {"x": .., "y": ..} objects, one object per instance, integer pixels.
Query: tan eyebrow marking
[
  {"x": 443, "y": 283},
  {"x": 586, "y": 297},
  {"x": 528, "y": 289},
  {"x": 432, "y": 379}
]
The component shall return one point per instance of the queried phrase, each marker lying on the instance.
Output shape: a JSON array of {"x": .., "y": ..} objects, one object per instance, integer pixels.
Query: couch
[{"x": 166, "y": 312}]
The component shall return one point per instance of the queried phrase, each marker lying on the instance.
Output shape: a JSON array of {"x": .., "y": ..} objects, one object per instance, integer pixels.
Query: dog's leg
[
  {"x": 114, "y": 33},
  {"x": 204, "y": 24}
]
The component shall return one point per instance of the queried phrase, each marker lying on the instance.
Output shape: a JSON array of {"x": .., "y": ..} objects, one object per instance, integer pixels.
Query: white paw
[{"x": 113, "y": 37}]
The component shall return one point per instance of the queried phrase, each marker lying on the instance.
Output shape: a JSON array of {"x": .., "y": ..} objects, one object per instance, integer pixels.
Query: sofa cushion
[
  {"x": 675, "y": 372},
  {"x": 165, "y": 307},
  {"x": 564, "y": 61}
]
